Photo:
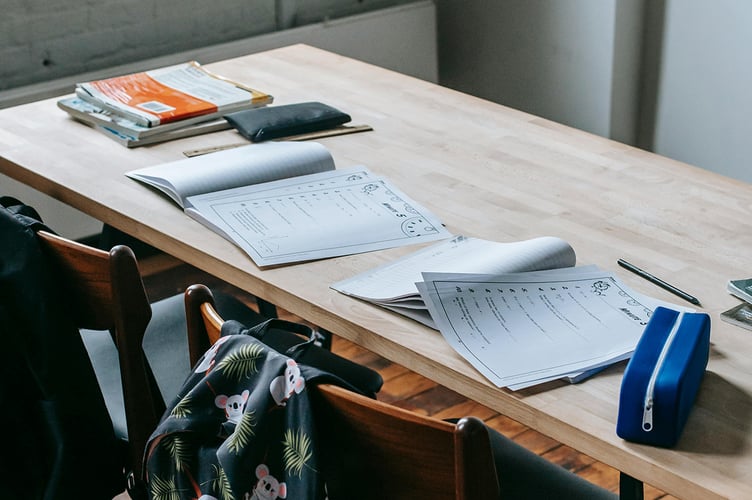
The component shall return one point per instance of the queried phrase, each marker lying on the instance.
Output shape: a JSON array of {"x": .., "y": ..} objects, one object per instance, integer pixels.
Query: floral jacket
[{"x": 242, "y": 426}]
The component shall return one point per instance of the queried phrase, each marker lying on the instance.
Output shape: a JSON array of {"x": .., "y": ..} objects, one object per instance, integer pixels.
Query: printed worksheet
[
  {"x": 392, "y": 285},
  {"x": 521, "y": 329},
  {"x": 316, "y": 216}
]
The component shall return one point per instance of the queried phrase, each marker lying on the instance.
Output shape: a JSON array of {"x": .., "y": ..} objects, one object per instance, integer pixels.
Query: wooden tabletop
[{"x": 486, "y": 171}]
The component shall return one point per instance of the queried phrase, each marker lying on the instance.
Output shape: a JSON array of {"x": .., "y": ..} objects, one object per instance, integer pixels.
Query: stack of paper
[
  {"x": 519, "y": 312},
  {"x": 393, "y": 285},
  {"x": 522, "y": 329}
]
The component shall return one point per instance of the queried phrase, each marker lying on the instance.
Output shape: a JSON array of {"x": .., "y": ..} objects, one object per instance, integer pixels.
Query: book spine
[
  {"x": 93, "y": 116},
  {"x": 136, "y": 116}
]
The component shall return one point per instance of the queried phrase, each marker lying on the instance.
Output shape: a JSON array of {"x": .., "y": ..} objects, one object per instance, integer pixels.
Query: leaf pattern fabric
[{"x": 242, "y": 426}]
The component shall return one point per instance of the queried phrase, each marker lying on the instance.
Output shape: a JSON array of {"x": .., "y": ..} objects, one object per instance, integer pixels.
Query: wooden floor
[{"x": 402, "y": 387}]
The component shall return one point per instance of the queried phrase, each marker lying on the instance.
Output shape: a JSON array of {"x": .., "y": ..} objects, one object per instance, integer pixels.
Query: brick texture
[{"x": 42, "y": 40}]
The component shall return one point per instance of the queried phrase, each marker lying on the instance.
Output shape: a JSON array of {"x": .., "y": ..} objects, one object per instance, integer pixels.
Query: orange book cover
[{"x": 181, "y": 92}]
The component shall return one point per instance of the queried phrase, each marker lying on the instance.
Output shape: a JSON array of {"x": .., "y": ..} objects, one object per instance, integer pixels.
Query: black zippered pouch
[{"x": 273, "y": 122}]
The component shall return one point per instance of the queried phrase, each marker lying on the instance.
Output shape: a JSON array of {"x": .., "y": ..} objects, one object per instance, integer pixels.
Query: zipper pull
[{"x": 647, "y": 416}]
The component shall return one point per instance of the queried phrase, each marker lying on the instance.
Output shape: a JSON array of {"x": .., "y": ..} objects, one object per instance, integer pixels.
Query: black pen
[{"x": 671, "y": 288}]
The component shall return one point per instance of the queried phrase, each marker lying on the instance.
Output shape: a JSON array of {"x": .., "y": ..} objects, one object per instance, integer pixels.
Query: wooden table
[{"x": 487, "y": 171}]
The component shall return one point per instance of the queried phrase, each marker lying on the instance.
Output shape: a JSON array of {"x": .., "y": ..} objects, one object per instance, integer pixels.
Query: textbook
[
  {"x": 392, "y": 285},
  {"x": 130, "y": 133},
  {"x": 185, "y": 92},
  {"x": 169, "y": 135},
  {"x": 741, "y": 288},
  {"x": 284, "y": 202},
  {"x": 739, "y": 315}
]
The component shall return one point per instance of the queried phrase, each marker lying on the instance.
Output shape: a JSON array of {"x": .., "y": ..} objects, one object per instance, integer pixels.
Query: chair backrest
[
  {"x": 104, "y": 291},
  {"x": 373, "y": 449}
]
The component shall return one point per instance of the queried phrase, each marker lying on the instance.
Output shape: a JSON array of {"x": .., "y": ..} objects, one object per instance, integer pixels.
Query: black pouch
[{"x": 272, "y": 122}]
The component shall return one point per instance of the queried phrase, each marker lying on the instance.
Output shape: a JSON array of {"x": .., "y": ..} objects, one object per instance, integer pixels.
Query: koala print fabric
[{"x": 241, "y": 427}]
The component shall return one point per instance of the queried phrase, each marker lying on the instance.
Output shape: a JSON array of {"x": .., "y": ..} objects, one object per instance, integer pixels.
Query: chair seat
[
  {"x": 165, "y": 346},
  {"x": 524, "y": 474}
]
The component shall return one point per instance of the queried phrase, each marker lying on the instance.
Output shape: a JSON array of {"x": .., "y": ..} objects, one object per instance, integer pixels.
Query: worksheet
[
  {"x": 520, "y": 329},
  {"x": 316, "y": 216}
]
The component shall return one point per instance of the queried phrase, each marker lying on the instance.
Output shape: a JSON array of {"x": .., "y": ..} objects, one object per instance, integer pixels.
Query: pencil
[{"x": 657, "y": 281}]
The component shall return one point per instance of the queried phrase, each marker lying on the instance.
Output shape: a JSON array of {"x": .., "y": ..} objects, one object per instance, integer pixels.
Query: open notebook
[{"x": 284, "y": 202}]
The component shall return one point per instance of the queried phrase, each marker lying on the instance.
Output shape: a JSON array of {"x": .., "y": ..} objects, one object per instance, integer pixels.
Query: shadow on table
[{"x": 720, "y": 420}]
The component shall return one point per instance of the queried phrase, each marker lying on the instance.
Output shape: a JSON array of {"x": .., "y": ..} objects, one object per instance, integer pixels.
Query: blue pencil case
[{"x": 663, "y": 376}]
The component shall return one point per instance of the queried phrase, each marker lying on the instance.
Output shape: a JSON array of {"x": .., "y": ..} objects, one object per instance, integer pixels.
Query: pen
[{"x": 671, "y": 288}]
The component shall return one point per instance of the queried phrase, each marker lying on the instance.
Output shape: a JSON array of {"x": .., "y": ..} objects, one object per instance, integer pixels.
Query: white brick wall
[{"x": 43, "y": 40}]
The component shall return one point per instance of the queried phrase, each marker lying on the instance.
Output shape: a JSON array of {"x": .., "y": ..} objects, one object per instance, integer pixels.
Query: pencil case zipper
[{"x": 647, "y": 414}]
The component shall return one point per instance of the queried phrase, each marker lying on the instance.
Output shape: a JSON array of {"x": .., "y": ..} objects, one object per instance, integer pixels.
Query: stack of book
[{"x": 160, "y": 105}]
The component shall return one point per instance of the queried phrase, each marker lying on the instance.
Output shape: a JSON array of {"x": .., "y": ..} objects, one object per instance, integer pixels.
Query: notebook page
[{"x": 242, "y": 166}]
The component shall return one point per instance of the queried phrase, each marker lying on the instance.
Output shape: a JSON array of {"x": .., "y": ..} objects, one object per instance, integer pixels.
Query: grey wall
[
  {"x": 42, "y": 40},
  {"x": 573, "y": 61},
  {"x": 703, "y": 112},
  {"x": 671, "y": 76}
]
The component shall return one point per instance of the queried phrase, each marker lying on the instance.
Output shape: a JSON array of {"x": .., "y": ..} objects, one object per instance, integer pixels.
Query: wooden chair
[
  {"x": 106, "y": 293},
  {"x": 375, "y": 450},
  {"x": 381, "y": 451}
]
